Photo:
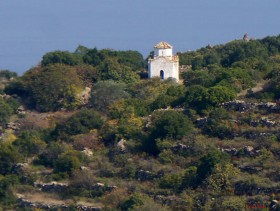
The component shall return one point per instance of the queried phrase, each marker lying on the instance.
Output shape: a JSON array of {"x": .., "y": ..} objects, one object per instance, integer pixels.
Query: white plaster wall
[
  {"x": 163, "y": 52},
  {"x": 170, "y": 68},
  {"x": 176, "y": 71}
]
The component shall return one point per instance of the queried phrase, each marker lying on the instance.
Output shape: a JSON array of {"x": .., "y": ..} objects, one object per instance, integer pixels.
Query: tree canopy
[{"x": 53, "y": 87}]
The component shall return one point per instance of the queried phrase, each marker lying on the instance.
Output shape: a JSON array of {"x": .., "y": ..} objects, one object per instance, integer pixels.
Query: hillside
[{"x": 86, "y": 130}]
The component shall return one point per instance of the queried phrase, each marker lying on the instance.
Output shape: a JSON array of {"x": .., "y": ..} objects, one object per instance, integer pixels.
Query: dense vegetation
[{"x": 111, "y": 138}]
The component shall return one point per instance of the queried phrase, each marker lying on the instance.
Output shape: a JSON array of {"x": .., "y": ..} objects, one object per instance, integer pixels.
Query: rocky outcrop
[
  {"x": 181, "y": 148},
  {"x": 19, "y": 168},
  {"x": 238, "y": 105},
  {"x": 274, "y": 205},
  {"x": 242, "y": 106},
  {"x": 21, "y": 110},
  {"x": 24, "y": 203},
  {"x": 251, "y": 190},
  {"x": 84, "y": 96},
  {"x": 88, "y": 152},
  {"x": 52, "y": 187},
  {"x": 250, "y": 169},
  {"x": 263, "y": 122},
  {"x": 55, "y": 187},
  {"x": 247, "y": 150},
  {"x": 102, "y": 187},
  {"x": 121, "y": 145},
  {"x": 143, "y": 175},
  {"x": 13, "y": 126},
  {"x": 170, "y": 200}
]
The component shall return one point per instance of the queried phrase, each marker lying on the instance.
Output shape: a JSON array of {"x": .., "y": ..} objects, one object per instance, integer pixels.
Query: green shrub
[
  {"x": 81, "y": 122},
  {"x": 131, "y": 202},
  {"x": 67, "y": 163},
  {"x": 5, "y": 112},
  {"x": 171, "y": 181},
  {"x": 7, "y": 196}
]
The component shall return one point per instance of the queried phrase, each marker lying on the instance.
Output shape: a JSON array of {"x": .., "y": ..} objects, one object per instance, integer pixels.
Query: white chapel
[{"x": 163, "y": 64}]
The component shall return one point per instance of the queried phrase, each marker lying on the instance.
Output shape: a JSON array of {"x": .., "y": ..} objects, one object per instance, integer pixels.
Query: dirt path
[{"x": 258, "y": 88}]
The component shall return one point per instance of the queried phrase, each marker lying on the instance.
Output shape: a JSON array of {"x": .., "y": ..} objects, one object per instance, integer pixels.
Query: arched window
[{"x": 162, "y": 74}]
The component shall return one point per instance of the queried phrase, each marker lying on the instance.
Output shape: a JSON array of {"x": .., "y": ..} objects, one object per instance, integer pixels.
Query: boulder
[
  {"x": 273, "y": 205},
  {"x": 249, "y": 150},
  {"x": 88, "y": 152},
  {"x": 121, "y": 145},
  {"x": 143, "y": 175}
]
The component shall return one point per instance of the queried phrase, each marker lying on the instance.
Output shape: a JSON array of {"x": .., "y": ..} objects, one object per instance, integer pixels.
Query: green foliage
[
  {"x": 53, "y": 87},
  {"x": 130, "y": 127},
  {"x": 230, "y": 68},
  {"x": 7, "y": 74},
  {"x": 67, "y": 162},
  {"x": 81, "y": 122},
  {"x": 50, "y": 154},
  {"x": 166, "y": 124},
  {"x": 208, "y": 163},
  {"x": 126, "y": 107},
  {"x": 91, "y": 56},
  {"x": 174, "y": 96},
  {"x": 221, "y": 178},
  {"x": 132, "y": 59},
  {"x": 104, "y": 93},
  {"x": 200, "y": 98},
  {"x": 163, "y": 101},
  {"x": 5, "y": 112},
  {"x": 131, "y": 202},
  {"x": 171, "y": 181},
  {"x": 8, "y": 157},
  {"x": 169, "y": 124},
  {"x": 29, "y": 143},
  {"x": 232, "y": 52},
  {"x": 149, "y": 90},
  {"x": 7, "y": 196},
  {"x": 111, "y": 69},
  {"x": 16, "y": 87},
  {"x": 219, "y": 124},
  {"x": 114, "y": 65},
  {"x": 219, "y": 94},
  {"x": 13, "y": 103},
  {"x": 88, "y": 74},
  {"x": 189, "y": 177},
  {"x": 196, "y": 97},
  {"x": 234, "y": 203},
  {"x": 200, "y": 77},
  {"x": 61, "y": 57}
]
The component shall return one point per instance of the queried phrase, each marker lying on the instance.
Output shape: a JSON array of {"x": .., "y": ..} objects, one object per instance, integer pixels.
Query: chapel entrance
[{"x": 162, "y": 74}]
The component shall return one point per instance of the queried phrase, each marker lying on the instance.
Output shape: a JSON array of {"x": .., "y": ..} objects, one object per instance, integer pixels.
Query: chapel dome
[{"x": 163, "y": 45}]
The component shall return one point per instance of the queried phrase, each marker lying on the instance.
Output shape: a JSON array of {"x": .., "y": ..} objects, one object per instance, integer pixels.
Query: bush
[
  {"x": 169, "y": 124},
  {"x": 5, "y": 112},
  {"x": 104, "y": 93},
  {"x": 131, "y": 202},
  {"x": 208, "y": 163},
  {"x": 50, "y": 154},
  {"x": 29, "y": 143},
  {"x": 219, "y": 124},
  {"x": 171, "y": 181},
  {"x": 52, "y": 87},
  {"x": 233, "y": 203},
  {"x": 7, "y": 196},
  {"x": 7, "y": 74},
  {"x": 165, "y": 125},
  {"x": 66, "y": 163},
  {"x": 8, "y": 157},
  {"x": 81, "y": 122}
]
